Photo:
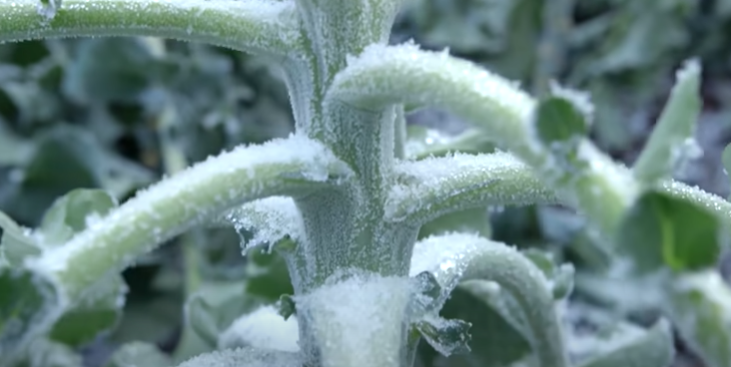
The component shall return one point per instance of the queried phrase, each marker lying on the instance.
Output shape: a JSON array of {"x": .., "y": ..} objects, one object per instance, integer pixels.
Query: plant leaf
[
  {"x": 654, "y": 348},
  {"x": 28, "y": 307},
  {"x": 15, "y": 246},
  {"x": 661, "y": 230},
  {"x": 558, "y": 120},
  {"x": 72, "y": 212},
  {"x": 98, "y": 311},
  {"x": 137, "y": 354},
  {"x": 672, "y": 138},
  {"x": 700, "y": 307}
]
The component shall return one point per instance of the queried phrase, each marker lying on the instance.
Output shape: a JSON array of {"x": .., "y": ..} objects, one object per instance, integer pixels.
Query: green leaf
[
  {"x": 700, "y": 306},
  {"x": 446, "y": 336},
  {"x": 267, "y": 276},
  {"x": 660, "y": 230},
  {"x": 287, "y": 306},
  {"x": 100, "y": 310},
  {"x": 494, "y": 341},
  {"x": 70, "y": 214},
  {"x": 15, "y": 246},
  {"x": 560, "y": 277},
  {"x": 654, "y": 348},
  {"x": 215, "y": 306},
  {"x": 28, "y": 306},
  {"x": 559, "y": 121},
  {"x": 117, "y": 69},
  {"x": 137, "y": 354},
  {"x": 672, "y": 138}
]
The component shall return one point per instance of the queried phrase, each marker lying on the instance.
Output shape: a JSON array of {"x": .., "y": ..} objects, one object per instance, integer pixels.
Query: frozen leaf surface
[{"x": 263, "y": 328}]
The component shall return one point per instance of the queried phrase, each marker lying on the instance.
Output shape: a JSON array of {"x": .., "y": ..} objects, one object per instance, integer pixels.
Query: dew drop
[{"x": 47, "y": 9}]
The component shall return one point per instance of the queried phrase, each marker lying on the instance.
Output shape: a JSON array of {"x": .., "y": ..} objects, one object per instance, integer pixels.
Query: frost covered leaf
[
  {"x": 652, "y": 348},
  {"x": 28, "y": 307},
  {"x": 138, "y": 354},
  {"x": 495, "y": 339},
  {"x": 560, "y": 277},
  {"x": 245, "y": 357},
  {"x": 15, "y": 245},
  {"x": 446, "y": 336},
  {"x": 700, "y": 307},
  {"x": 262, "y": 328},
  {"x": 72, "y": 213},
  {"x": 214, "y": 307},
  {"x": 672, "y": 142},
  {"x": 267, "y": 276},
  {"x": 267, "y": 222},
  {"x": 661, "y": 230},
  {"x": 461, "y": 257},
  {"x": 98, "y": 311}
]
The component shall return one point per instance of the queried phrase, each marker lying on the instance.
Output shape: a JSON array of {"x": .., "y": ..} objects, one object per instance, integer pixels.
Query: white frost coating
[
  {"x": 263, "y": 328},
  {"x": 484, "y": 179},
  {"x": 388, "y": 74},
  {"x": 359, "y": 321},
  {"x": 195, "y": 189},
  {"x": 245, "y": 357},
  {"x": 444, "y": 256},
  {"x": 271, "y": 219},
  {"x": 260, "y": 25},
  {"x": 581, "y": 100}
]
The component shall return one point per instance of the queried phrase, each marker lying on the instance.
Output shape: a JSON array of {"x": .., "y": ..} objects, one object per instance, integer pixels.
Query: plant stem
[
  {"x": 294, "y": 166},
  {"x": 262, "y": 26}
]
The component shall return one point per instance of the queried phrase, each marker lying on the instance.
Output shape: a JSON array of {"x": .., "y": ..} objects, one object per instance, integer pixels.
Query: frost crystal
[
  {"x": 263, "y": 328},
  {"x": 271, "y": 219},
  {"x": 444, "y": 256},
  {"x": 358, "y": 321}
]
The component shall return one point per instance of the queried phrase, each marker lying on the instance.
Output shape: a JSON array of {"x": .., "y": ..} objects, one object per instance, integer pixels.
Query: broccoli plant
[{"x": 343, "y": 200}]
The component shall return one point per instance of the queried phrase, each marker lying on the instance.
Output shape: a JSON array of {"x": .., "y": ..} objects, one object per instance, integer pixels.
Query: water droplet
[{"x": 47, "y": 9}]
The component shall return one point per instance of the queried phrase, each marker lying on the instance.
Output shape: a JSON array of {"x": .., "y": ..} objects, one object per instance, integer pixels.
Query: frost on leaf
[
  {"x": 245, "y": 357},
  {"x": 433, "y": 187},
  {"x": 262, "y": 328},
  {"x": 16, "y": 244},
  {"x": 269, "y": 220}
]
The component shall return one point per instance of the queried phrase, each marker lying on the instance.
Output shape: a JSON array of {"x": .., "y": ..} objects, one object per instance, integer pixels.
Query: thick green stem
[
  {"x": 294, "y": 166},
  {"x": 262, "y": 26}
]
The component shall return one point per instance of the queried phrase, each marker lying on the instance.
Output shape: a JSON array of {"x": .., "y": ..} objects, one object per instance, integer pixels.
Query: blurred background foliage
[{"x": 113, "y": 113}]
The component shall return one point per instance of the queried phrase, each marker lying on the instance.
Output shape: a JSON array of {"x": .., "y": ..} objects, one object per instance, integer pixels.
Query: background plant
[{"x": 163, "y": 98}]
